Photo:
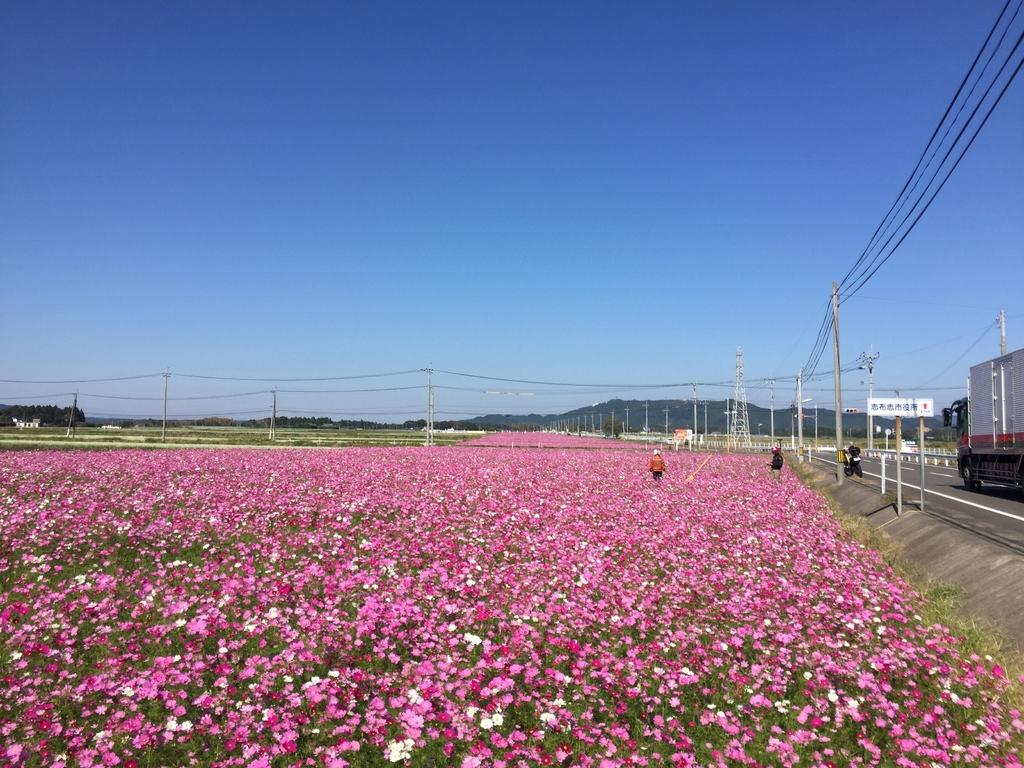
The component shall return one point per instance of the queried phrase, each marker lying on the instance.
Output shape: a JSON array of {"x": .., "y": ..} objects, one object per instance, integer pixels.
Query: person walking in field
[
  {"x": 776, "y": 463},
  {"x": 657, "y": 465}
]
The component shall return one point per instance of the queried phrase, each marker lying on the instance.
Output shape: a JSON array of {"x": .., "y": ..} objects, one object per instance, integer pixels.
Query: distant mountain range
[{"x": 680, "y": 415}]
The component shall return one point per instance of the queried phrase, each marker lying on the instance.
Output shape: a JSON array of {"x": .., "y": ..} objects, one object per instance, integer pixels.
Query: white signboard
[{"x": 901, "y": 406}]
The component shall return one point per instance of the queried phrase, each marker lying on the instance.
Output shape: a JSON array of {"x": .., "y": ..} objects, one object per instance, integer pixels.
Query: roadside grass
[{"x": 941, "y": 603}]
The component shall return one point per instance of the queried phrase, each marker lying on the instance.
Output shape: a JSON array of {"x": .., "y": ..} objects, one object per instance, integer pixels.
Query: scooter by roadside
[{"x": 851, "y": 462}]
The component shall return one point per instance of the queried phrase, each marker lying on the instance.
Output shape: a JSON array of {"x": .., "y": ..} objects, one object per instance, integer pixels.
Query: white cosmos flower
[{"x": 399, "y": 751}]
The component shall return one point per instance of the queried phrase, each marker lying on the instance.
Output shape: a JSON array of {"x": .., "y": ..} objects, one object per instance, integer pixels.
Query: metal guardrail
[
  {"x": 946, "y": 458},
  {"x": 937, "y": 458}
]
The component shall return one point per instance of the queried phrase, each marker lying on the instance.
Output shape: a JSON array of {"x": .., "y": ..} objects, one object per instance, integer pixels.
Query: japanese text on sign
[{"x": 901, "y": 406}]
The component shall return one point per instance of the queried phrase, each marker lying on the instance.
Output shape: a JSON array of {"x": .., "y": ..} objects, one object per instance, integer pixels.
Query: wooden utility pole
[
  {"x": 838, "y": 381},
  {"x": 163, "y": 429},
  {"x": 273, "y": 418},
  {"x": 899, "y": 465},
  {"x": 71, "y": 419}
]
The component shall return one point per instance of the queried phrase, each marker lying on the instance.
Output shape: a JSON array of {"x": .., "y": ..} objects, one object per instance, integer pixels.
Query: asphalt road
[{"x": 994, "y": 512}]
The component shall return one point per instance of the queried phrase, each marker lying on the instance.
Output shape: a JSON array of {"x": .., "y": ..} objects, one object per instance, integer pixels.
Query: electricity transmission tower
[{"x": 740, "y": 432}]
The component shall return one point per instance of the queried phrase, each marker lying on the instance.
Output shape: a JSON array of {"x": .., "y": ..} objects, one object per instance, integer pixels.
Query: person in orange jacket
[{"x": 657, "y": 465}]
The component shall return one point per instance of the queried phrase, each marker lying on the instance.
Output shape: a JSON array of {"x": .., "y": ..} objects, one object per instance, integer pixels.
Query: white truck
[{"x": 990, "y": 423}]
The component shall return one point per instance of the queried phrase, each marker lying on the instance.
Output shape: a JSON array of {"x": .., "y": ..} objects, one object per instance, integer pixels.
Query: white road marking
[{"x": 892, "y": 480}]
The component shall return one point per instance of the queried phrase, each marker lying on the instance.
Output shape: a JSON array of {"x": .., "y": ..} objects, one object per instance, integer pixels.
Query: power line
[
  {"x": 288, "y": 378},
  {"x": 79, "y": 381},
  {"x": 596, "y": 388},
  {"x": 878, "y": 261},
  {"x": 37, "y": 397},
  {"x": 927, "y": 303},
  {"x": 576, "y": 391},
  {"x": 942, "y": 343},
  {"x": 938, "y": 127},
  {"x": 562, "y": 383},
  {"x": 190, "y": 397},
  {"x": 869, "y": 267},
  {"x": 820, "y": 341},
  {"x": 973, "y": 344},
  {"x": 340, "y": 391}
]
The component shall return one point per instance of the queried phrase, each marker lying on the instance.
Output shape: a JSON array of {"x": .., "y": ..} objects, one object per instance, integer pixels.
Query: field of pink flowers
[{"x": 450, "y": 606}]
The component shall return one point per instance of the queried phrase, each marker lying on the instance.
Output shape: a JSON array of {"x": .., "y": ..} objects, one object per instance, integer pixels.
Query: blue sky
[{"x": 575, "y": 192}]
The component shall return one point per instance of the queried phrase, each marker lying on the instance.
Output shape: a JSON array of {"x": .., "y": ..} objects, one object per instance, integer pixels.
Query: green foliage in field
[{"x": 220, "y": 437}]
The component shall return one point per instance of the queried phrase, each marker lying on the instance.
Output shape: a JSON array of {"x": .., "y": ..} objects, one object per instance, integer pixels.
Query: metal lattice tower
[{"x": 740, "y": 432}]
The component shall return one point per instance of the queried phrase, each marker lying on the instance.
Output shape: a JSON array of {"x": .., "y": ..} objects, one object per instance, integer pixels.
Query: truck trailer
[{"x": 990, "y": 423}]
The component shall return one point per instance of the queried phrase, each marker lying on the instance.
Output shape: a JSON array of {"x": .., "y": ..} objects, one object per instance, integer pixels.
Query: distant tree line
[
  {"x": 48, "y": 415},
  {"x": 315, "y": 422},
  {"x": 282, "y": 422}
]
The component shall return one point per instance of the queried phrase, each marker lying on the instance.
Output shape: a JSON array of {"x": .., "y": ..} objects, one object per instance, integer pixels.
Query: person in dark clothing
[
  {"x": 853, "y": 459},
  {"x": 776, "y": 463}
]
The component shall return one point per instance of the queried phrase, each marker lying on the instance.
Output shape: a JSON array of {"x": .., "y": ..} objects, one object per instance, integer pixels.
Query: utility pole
[
  {"x": 163, "y": 429},
  {"x": 613, "y": 423},
  {"x": 430, "y": 406},
  {"x": 273, "y": 418},
  {"x": 71, "y": 419},
  {"x": 868, "y": 361},
  {"x": 694, "y": 414},
  {"x": 666, "y": 423},
  {"x": 627, "y": 419},
  {"x": 800, "y": 414},
  {"x": 899, "y": 465},
  {"x": 771, "y": 390},
  {"x": 1002, "y": 331},
  {"x": 705, "y": 418},
  {"x": 838, "y": 380},
  {"x": 646, "y": 429},
  {"x": 600, "y": 420}
]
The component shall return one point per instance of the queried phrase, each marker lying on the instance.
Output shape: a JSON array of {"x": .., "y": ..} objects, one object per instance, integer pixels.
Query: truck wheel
[{"x": 970, "y": 482}]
